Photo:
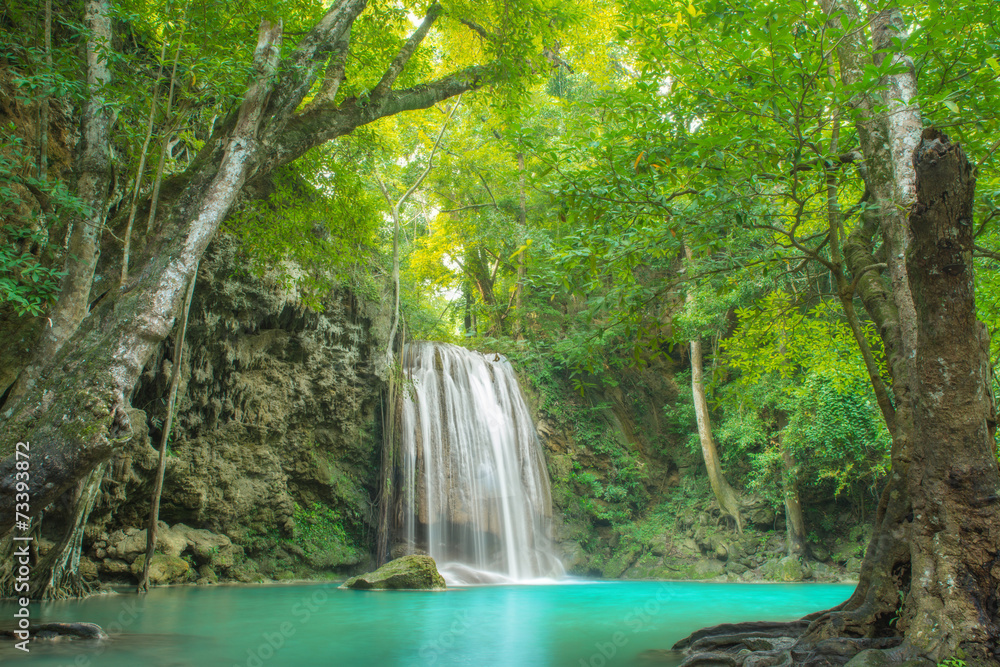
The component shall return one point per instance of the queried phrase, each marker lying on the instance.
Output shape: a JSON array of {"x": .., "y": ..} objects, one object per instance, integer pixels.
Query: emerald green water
[{"x": 571, "y": 625}]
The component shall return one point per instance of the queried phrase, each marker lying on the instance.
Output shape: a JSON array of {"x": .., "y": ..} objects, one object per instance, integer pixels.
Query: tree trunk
[
  {"x": 952, "y": 476},
  {"x": 795, "y": 526},
  {"x": 724, "y": 493},
  {"x": 175, "y": 379},
  {"x": 93, "y": 187},
  {"x": 57, "y": 575}
]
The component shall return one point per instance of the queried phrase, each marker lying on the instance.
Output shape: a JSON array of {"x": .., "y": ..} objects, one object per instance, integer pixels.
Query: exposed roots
[
  {"x": 57, "y": 575},
  {"x": 748, "y": 650}
]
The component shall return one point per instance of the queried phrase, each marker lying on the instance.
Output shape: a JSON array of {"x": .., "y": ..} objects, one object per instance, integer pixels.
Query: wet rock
[
  {"x": 736, "y": 567},
  {"x": 170, "y": 541},
  {"x": 689, "y": 546},
  {"x": 114, "y": 566},
  {"x": 60, "y": 631},
  {"x": 408, "y": 572},
  {"x": 87, "y": 568},
  {"x": 819, "y": 552},
  {"x": 853, "y": 566},
  {"x": 206, "y": 575},
  {"x": 204, "y": 544},
  {"x": 127, "y": 545},
  {"x": 762, "y": 516}
]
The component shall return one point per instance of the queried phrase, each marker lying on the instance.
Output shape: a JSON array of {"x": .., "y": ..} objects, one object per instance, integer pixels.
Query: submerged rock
[
  {"x": 59, "y": 631},
  {"x": 406, "y": 573}
]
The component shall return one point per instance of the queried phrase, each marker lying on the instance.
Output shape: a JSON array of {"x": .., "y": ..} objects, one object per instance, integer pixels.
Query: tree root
[
  {"x": 771, "y": 648},
  {"x": 57, "y": 575},
  {"x": 754, "y": 628}
]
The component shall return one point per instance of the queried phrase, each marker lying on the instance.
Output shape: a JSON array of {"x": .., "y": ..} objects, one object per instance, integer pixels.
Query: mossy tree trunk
[
  {"x": 930, "y": 583},
  {"x": 74, "y": 410},
  {"x": 57, "y": 574}
]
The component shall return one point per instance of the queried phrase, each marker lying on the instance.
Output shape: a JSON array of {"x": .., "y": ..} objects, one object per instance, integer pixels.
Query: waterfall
[{"x": 475, "y": 490}]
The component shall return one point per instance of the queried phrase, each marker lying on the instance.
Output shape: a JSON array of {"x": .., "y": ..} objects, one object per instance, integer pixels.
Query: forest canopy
[{"x": 796, "y": 199}]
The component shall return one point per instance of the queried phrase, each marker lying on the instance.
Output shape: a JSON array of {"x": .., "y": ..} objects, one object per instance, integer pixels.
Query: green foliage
[
  {"x": 800, "y": 384},
  {"x": 314, "y": 232},
  {"x": 319, "y": 530},
  {"x": 610, "y": 488},
  {"x": 28, "y": 280}
]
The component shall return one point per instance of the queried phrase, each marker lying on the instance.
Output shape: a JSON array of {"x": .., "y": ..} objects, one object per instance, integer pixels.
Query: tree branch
[
  {"x": 399, "y": 62},
  {"x": 334, "y": 74},
  {"x": 311, "y": 128}
]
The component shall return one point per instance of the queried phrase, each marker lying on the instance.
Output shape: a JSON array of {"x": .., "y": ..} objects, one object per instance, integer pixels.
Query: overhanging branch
[{"x": 405, "y": 53}]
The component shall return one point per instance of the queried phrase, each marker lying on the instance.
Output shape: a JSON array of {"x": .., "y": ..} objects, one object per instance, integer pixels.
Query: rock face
[
  {"x": 406, "y": 573},
  {"x": 272, "y": 462},
  {"x": 163, "y": 569},
  {"x": 787, "y": 569}
]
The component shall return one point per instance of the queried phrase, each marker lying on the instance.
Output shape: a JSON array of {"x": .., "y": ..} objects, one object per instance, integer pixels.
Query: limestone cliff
[{"x": 273, "y": 452}]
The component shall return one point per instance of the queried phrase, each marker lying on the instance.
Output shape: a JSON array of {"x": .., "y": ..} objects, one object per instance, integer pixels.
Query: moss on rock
[
  {"x": 406, "y": 573},
  {"x": 163, "y": 569}
]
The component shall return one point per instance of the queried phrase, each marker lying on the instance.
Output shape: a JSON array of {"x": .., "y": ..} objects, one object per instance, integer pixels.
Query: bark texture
[
  {"x": 724, "y": 493},
  {"x": 75, "y": 412},
  {"x": 930, "y": 584}
]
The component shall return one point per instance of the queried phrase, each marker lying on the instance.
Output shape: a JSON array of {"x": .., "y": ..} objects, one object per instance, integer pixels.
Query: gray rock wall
[{"x": 274, "y": 441}]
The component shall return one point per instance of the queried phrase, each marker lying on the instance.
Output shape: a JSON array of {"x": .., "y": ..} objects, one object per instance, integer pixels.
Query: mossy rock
[
  {"x": 787, "y": 569},
  {"x": 406, "y": 573},
  {"x": 163, "y": 569},
  {"x": 707, "y": 569}
]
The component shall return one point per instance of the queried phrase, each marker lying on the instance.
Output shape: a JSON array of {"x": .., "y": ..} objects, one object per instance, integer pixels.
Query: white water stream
[{"x": 475, "y": 489}]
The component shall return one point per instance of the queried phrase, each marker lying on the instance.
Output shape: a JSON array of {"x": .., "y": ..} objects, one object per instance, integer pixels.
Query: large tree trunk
[
  {"x": 930, "y": 582},
  {"x": 74, "y": 414},
  {"x": 953, "y": 479}
]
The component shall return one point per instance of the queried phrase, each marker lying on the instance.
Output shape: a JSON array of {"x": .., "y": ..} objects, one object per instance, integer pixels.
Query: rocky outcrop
[
  {"x": 272, "y": 460},
  {"x": 406, "y": 573}
]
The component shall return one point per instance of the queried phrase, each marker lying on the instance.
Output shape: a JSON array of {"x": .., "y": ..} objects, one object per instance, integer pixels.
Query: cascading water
[{"x": 475, "y": 490}]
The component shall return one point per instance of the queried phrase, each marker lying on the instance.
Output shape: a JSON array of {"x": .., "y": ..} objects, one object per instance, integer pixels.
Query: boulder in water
[
  {"x": 58, "y": 631},
  {"x": 406, "y": 573}
]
